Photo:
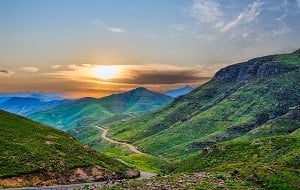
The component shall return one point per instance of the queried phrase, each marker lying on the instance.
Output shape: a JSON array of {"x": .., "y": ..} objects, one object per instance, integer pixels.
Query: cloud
[
  {"x": 56, "y": 66},
  {"x": 156, "y": 77},
  {"x": 6, "y": 72},
  {"x": 247, "y": 16},
  {"x": 206, "y": 11},
  {"x": 116, "y": 29},
  {"x": 283, "y": 29},
  {"x": 29, "y": 69},
  {"x": 298, "y": 2},
  {"x": 108, "y": 27},
  {"x": 136, "y": 75},
  {"x": 178, "y": 27}
]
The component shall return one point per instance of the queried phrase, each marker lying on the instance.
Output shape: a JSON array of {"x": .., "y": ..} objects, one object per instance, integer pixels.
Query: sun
[{"x": 106, "y": 72}]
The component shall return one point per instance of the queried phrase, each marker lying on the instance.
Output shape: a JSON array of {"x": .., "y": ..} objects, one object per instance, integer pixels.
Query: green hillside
[
  {"x": 243, "y": 124},
  {"x": 268, "y": 155},
  {"x": 239, "y": 98},
  {"x": 91, "y": 111},
  {"x": 36, "y": 155}
]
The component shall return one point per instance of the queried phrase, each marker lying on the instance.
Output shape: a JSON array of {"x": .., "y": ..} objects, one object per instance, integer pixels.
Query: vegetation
[
  {"x": 27, "y": 147},
  {"x": 209, "y": 181},
  {"x": 225, "y": 108},
  {"x": 91, "y": 111}
]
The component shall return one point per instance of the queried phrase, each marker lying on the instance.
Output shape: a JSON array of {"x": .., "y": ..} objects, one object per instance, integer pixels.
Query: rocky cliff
[{"x": 254, "y": 68}]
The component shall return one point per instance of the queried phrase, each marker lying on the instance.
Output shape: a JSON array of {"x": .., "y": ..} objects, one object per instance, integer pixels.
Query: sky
[{"x": 97, "y": 47}]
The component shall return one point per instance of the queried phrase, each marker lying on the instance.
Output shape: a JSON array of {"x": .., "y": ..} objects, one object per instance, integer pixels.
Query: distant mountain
[
  {"x": 45, "y": 97},
  {"x": 36, "y": 155},
  {"x": 92, "y": 111},
  {"x": 179, "y": 91},
  {"x": 244, "y": 122},
  {"x": 26, "y": 105}
]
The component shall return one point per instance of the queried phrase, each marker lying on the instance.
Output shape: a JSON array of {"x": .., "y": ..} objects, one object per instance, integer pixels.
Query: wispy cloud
[
  {"x": 108, "y": 27},
  {"x": 6, "y": 72},
  {"x": 116, "y": 29},
  {"x": 283, "y": 29},
  {"x": 206, "y": 10},
  {"x": 178, "y": 27},
  {"x": 29, "y": 69},
  {"x": 247, "y": 16},
  {"x": 298, "y": 2},
  {"x": 56, "y": 66}
]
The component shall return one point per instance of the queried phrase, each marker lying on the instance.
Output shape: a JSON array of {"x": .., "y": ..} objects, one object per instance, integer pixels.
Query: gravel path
[{"x": 104, "y": 136}]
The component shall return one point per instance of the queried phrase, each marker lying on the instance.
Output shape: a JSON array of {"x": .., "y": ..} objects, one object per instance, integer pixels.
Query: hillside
[
  {"x": 179, "y": 91},
  {"x": 239, "y": 98},
  {"x": 33, "y": 155},
  {"x": 91, "y": 111}
]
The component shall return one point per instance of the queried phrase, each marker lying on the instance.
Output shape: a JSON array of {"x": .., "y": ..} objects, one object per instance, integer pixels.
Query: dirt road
[{"x": 131, "y": 147}]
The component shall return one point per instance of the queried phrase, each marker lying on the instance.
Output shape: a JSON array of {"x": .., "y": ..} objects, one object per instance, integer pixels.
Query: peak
[
  {"x": 140, "y": 89},
  {"x": 297, "y": 51},
  {"x": 187, "y": 86}
]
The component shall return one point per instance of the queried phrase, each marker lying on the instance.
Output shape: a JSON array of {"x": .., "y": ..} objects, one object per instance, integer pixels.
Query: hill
[
  {"x": 179, "y": 91},
  {"x": 33, "y": 155},
  {"x": 92, "y": 111},
  {"x": 243, "y": 122},
  {"x": 27, "y": 105},
  {"x": 239, "y": 98}
]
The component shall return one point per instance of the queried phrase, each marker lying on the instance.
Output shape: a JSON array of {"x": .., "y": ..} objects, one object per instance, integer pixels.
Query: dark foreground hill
[
  {"x": 33, "y": 154},
  {"x": 244, "y": 122}
]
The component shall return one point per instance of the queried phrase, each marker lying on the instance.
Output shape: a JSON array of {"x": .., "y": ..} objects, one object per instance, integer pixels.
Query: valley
[{"x": 240, "y": 130}]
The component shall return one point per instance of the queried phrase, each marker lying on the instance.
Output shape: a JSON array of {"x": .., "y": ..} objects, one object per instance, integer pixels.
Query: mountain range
[
  {"x": 243, "y": 122},
  {"x": 240, "y": 128},
  {"x": 97, "y": 111},
  {"x": 27, "y": 105}
]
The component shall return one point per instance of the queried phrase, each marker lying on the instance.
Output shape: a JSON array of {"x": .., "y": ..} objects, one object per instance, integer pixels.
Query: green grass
[
  {"x": 29, "y": 147},
  {"x": 271, "y": 162}
]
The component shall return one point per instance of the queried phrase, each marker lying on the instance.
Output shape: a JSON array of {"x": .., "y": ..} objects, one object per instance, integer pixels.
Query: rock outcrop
[{"x": 254, "y": 68}]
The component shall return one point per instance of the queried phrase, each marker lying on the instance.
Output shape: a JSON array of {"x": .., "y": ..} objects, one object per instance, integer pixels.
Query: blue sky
[{"x": 46, "y": 38}]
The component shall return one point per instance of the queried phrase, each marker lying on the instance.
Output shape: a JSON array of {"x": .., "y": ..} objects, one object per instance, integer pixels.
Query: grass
[
  {"x": 29, "y": 147},
  {"x": 270, "y": 162}
]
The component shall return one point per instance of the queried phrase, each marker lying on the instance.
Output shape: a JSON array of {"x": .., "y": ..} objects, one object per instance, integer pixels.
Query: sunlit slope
[
  {"x": 238, "y": 99},
  {"x": 92, "y": 111},
  {"x": 29, "y": 148}
]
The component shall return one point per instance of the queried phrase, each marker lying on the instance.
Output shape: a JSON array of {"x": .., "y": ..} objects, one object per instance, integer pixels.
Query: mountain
[
  {"x": 33, "y": 155},
  {"x": 179, "y": 91},
  {"x": 92, "y": 111},
  {"x": 26, "y": 105},
  {"x": 44, "y": 97},
  {"x": 219, "y": 119}
]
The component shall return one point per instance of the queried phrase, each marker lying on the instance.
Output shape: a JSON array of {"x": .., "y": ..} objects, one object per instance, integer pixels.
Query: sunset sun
[{"x": 106, "y": 72}]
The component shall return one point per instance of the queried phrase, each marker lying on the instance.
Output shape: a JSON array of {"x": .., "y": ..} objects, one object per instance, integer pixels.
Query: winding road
[{"x": 104, "y": 136}]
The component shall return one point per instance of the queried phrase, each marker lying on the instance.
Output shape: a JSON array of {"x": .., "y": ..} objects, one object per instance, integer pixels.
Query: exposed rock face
[
  {"x": 77, "y": 175},
  {"x": 254, "y": 68}
]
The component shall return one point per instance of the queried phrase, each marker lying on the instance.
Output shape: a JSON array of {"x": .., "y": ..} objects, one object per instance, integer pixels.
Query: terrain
[
  {"x": 89, "y": 112},
  {"x": 243, "y": 123},
  {"x": 179, "y": 91},
  {"x": 33, "y": 155},
  {"x": 26, "y": 105}
]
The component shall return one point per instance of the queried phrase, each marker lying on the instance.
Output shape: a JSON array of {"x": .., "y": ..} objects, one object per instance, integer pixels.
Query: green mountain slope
[
  {"x": 34, "y": 154},
  {"x": 238, "y": 99},
  {"x": 268, "y": 155},
  {"x": 92, "y": 111}
]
